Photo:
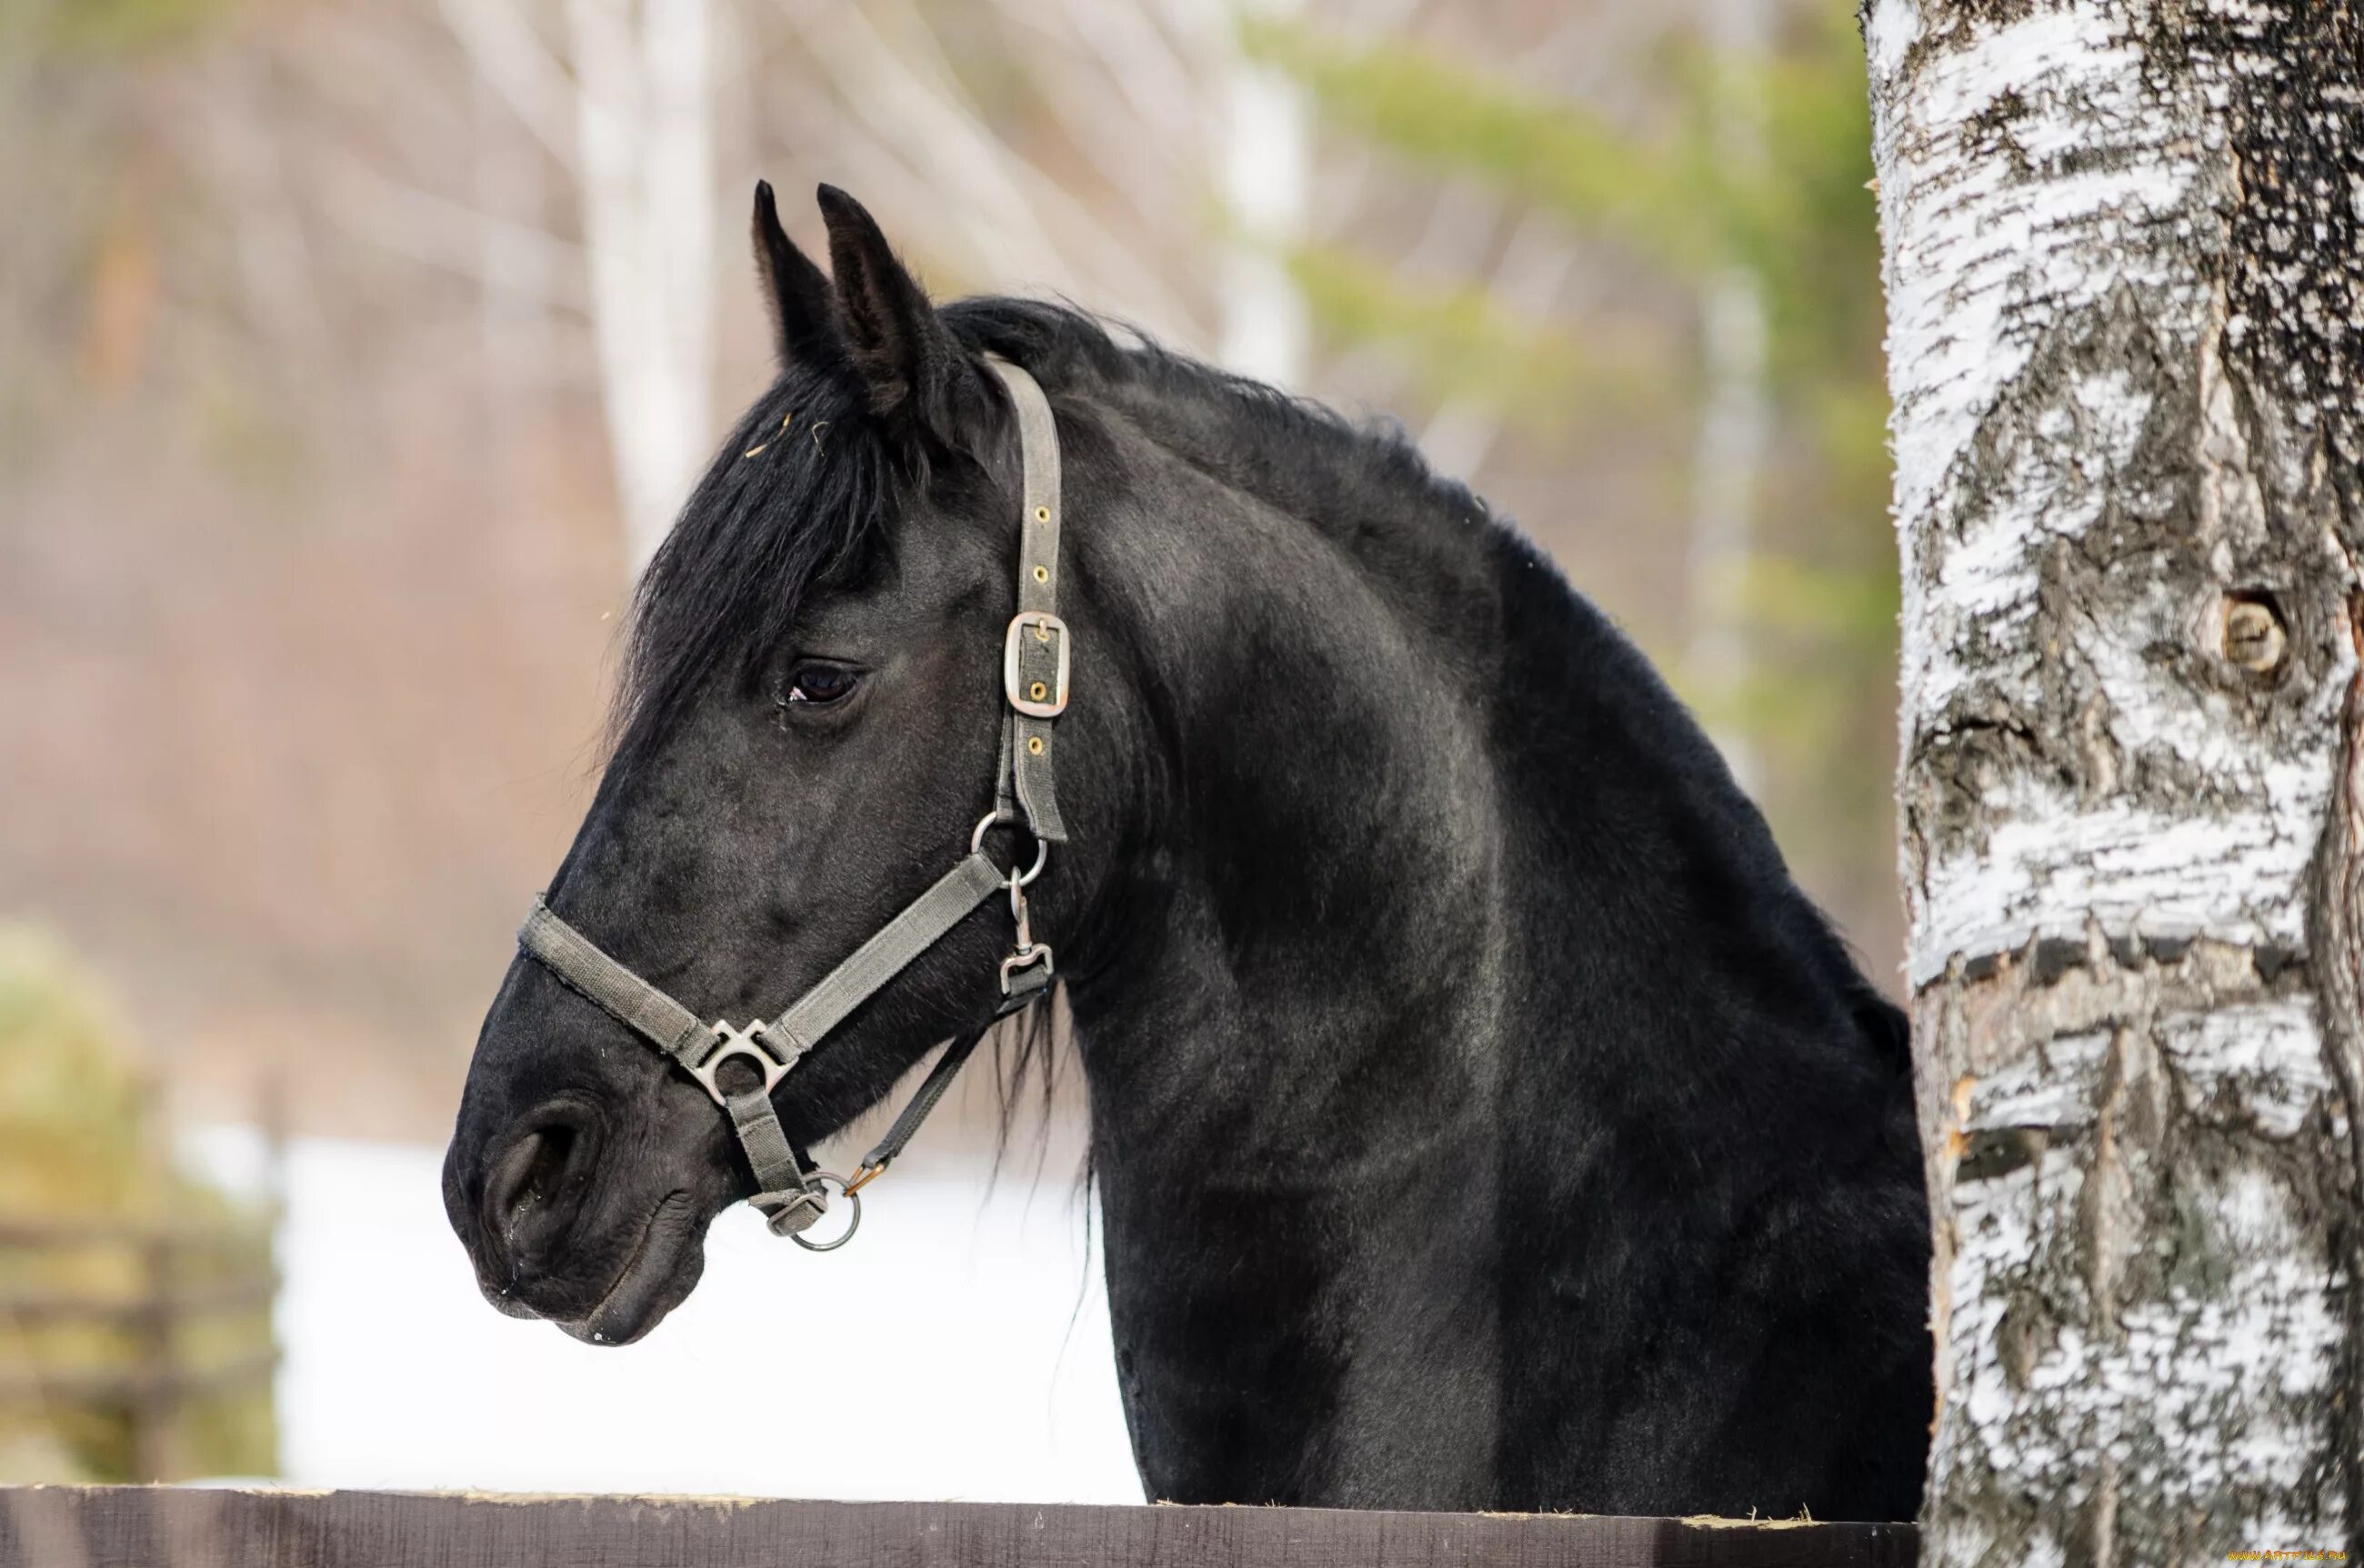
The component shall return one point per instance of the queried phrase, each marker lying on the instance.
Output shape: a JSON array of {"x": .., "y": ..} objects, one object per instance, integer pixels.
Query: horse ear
[
  {"x": 804, "y": 327},
  {"x": 904, "y": 355}
]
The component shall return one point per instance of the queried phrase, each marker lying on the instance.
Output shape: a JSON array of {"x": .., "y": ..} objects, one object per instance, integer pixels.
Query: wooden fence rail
[
  {"x": 187, "y": 1274},
  {"x": 153, "y": 1392},
  {"x": 251, "y": 1293},
  {"x": 166, "y": 1526}
]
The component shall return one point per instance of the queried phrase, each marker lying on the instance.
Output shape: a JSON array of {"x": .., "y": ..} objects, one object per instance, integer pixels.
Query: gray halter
[{"x": 1035, "y": 658}]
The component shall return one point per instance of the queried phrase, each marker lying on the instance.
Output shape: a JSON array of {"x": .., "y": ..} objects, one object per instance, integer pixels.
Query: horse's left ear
[
  {"x": 804, "y": 327},
  {"x": 906, "y": 357}
]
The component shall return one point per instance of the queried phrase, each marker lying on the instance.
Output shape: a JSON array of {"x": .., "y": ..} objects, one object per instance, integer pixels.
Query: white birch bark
[
  {"x": 2121, "y": 241},
  {"x": 644, "y": 141}
]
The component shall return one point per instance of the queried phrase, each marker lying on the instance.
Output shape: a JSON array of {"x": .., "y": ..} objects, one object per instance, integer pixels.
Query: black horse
[{"x": 1482, "y": 1118}]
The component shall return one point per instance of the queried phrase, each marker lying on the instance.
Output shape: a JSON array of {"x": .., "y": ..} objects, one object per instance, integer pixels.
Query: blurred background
[{"x": 354, "y": 353}]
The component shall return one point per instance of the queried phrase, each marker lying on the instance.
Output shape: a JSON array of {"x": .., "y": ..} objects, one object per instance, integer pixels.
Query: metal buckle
[
  {"x": 1027, "y": 957},
  {"x": 730, "y": 1041},
  {"x": 1043, "y": 627}
]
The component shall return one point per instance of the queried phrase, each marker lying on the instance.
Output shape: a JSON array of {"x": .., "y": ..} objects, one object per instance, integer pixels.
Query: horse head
[{"x": 813, "y": 709}]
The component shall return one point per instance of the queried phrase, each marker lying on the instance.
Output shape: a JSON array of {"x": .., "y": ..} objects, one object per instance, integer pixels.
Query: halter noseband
[{"x": 1035, "y": 659}]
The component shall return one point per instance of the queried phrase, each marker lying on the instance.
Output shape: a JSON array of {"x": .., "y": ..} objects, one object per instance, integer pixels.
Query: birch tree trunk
[{"x": 2126, "y": 354}]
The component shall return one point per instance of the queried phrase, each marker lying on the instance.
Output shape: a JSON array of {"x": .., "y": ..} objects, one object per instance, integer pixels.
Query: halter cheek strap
[{"x": 1035, "y": 665}]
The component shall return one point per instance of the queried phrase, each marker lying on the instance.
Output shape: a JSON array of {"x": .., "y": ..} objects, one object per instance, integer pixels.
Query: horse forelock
[{"x": 798, "y": 498}]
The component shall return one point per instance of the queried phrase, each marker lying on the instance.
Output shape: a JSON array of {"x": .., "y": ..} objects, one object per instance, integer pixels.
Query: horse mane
[
  {"x": 803, "y": 496},
  {"x": 1346, "y": 474},
  {"x": 1300, "y": 454}
]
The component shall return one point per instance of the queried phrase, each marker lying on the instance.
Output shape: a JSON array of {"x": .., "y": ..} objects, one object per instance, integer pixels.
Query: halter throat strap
[{"x": 1036, "y": 661}]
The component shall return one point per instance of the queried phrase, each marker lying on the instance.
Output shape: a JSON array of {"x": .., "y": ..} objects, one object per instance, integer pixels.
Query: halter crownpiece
[{"x": 1036, "y": 663}]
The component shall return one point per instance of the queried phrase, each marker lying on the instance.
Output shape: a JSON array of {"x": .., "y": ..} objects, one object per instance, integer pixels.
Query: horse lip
[{"x": 653, "y": 1281}]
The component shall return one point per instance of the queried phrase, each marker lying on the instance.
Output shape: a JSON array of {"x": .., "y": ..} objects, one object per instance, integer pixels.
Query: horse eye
[{"x": 817, "y": 683}]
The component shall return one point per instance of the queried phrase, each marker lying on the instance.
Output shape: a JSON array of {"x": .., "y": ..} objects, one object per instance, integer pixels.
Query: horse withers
[{"x": 1481, "y": 1116}]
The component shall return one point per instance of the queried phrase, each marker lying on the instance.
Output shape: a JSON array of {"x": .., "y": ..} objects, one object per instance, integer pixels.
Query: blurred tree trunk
[
  {"x": 2121, "y": 243},
  {"x": 510, "y": 189},
  {"x": 644, "y": 130},
  {"x": 1737, "y": 426},
  {"x": 1267, "y": 169}
]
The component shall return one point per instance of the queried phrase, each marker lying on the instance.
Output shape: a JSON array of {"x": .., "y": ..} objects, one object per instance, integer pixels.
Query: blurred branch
[
  {"x": 513, "y": 61},
  {"x": 1462, "y": 222},
  {"x": 23, "y": 25},
  {"x": 1833, "y": 604},
  {"x": 1379, "y": 18},
  {"x": 101, "y": 30},
  {"x": 447, "y": 234},
  {"x": 929, "y": 130},
  {"x": 1461, "y": 225},
  {"x": 276, "y": 264},
  {"x": 1469, "y": 349},
  {"x": 1145, "y": 64},
  {"x": 1588, "y": 56},
  {"x": 1087, "y": 101},
  {"x": 1526, "y": 282},
  {"x": 1655, "y": 196},
  {"x": 1535, "y": 265},
  {"x": 1001, "y": 198}
]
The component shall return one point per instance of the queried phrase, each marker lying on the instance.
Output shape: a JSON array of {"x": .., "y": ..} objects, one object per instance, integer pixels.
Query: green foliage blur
[
  {"x": 82, "y": 1151},
  {"x": 1819, "y": 600},
  {"x": 109, "y": 27}
]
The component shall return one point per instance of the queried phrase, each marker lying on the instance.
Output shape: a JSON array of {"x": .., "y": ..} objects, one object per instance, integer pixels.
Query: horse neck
[
  {"x": 1293, "y": 1057},
  {"x": 1414, "y": 802},
  {"x": 1449, "y": 945},
  {"x": 1322, "y": 844}
]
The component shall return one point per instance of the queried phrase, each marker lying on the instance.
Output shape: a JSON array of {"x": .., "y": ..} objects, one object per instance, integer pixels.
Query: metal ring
[
  {"x": 852, "y": 1225},
  {"x": 1041, "y": 845}
]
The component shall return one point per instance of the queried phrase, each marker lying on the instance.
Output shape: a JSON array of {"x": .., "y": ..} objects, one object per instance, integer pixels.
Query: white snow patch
[{"x": 960, "y": 1349}]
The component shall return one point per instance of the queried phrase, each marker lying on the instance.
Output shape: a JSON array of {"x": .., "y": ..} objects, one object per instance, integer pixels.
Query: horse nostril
[{"x": 535, "y": 1187}]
